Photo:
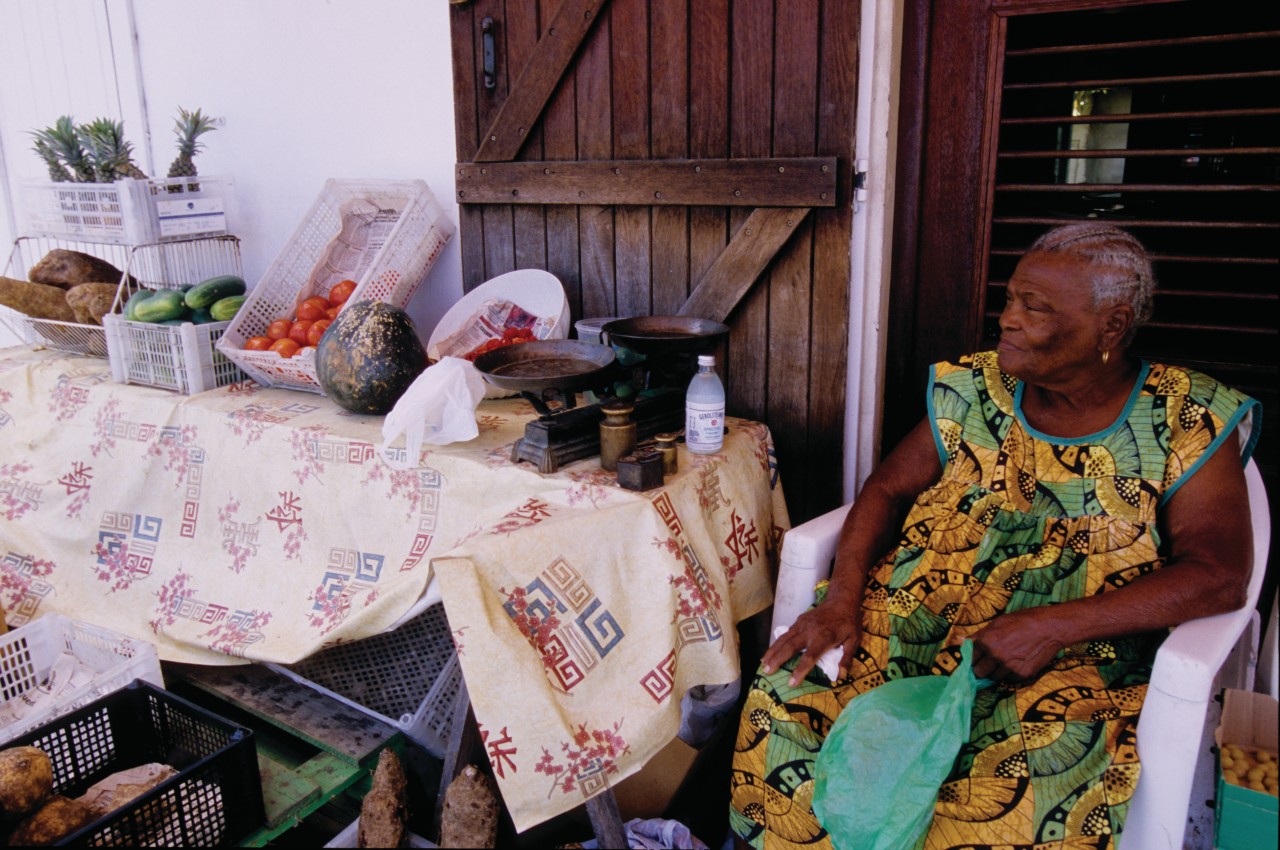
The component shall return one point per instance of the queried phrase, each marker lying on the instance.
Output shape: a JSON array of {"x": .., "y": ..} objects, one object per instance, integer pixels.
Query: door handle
[{"x": 486, "y": 52}]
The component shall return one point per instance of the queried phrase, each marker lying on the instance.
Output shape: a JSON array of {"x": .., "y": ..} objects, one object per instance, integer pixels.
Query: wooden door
[{"x": 667, "y": 157}]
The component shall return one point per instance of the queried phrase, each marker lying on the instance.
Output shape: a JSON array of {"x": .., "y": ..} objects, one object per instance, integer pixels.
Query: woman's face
[{"x": 1049, "y": 329}]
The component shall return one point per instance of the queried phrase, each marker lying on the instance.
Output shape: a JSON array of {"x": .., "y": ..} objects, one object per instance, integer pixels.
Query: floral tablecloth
[{"x": 255, "y": 524}]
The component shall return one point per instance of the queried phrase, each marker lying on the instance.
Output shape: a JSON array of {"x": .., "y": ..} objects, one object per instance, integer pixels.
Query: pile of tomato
[
  {"x": 288, "y": 337},
  {"x": 510, "y": 336}
]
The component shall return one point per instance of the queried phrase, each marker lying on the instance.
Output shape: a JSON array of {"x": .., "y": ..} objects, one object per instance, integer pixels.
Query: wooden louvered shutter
[{"x": 1164, "y": 119}]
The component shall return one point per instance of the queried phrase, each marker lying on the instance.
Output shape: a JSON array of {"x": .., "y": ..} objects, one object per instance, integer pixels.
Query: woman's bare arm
[
  {"x": 870, "y": 529},
  {"x": 1210, "y": 559}
]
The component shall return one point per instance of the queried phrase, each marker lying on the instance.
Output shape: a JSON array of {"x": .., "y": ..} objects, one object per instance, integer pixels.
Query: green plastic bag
[{"x": 877, "y": 776}]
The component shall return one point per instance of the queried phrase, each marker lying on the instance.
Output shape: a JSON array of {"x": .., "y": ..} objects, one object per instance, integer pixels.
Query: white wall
[{"x": 309, "y": 89}]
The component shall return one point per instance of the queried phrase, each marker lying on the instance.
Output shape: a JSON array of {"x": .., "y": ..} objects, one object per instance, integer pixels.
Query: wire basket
[
  {"x": 168, "y": 265},
  {"x": 130, "y": 211},
  {"x": 409, "y": 677},
  {"x": 407, "y": 231}
]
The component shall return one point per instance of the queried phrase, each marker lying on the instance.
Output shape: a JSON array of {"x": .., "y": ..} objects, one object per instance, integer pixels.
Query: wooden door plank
[
  {"x": 669, "y": 60},
  {"x": 832, "y": 266},
  {"x": 560, "y": 142},
  {"x": 630, "y": 94},
  {"x": 708, "y": 129},
  {"x": 529, "y": 229},
  {"x": 465, "y": 36},
  {"x": 537, "y": 80},
  {"x": 795, "y": 103},
  {"x": 794, "y": 181},
  {"x": 593, "y": 85},
  {"x": 751, "y": 111},
  {"x": 765, "y": 231}
]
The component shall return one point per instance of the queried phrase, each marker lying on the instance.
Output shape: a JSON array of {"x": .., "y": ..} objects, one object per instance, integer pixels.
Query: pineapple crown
[
  {"x": 189, "y": 127},
  {"x": 59, "y": 146}
]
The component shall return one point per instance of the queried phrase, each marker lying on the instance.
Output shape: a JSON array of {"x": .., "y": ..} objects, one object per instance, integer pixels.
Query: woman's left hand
[{"x": 1014, "y": 647}]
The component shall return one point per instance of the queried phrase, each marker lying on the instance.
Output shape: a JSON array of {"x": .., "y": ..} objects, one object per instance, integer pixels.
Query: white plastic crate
[
  {"x": 408, "y": 678},
  {"x": 411, "y": 229},
  {"x": 167, "y": 265},
  {"x": 132, "y": 211},
  {"x": 350, "y": 835},
  {"x": 28, "y": 654},
  {"x": 174, "y": 357}
]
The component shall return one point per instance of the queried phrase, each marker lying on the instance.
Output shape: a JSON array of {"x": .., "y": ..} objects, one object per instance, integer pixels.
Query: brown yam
[
  {"x": 37, "y": 300},
  {"x": 26, "y": 780},
  {"x": 384, "y": 812},
  {"x": 91, "y": 301},
  {"x": 55, "y": 820},
  {"x": 65, "y": 268},
  {"x": 470, "y": 815}
]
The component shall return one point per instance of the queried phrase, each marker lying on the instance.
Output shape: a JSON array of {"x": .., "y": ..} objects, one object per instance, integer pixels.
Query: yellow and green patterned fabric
[{"x": 1019, "y": 519}]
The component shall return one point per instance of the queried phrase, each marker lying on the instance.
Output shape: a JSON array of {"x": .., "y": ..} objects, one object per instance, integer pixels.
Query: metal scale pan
[
  {"x": 567, "y": 366},
  {"x": 531, "y": 368}
]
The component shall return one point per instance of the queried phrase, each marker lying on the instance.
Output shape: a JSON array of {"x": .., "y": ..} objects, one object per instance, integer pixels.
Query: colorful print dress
[{"x": 1018, "y": 519}]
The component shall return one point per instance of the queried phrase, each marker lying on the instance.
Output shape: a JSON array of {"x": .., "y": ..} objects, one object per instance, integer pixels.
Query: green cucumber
[
  {"x": 202, "y": 317},
  {"x": 131, "y": 306},
  {"x": 164, "y": 305},
  {"x": 208, "y": 292},
  {"x": 226, "y": 308}
]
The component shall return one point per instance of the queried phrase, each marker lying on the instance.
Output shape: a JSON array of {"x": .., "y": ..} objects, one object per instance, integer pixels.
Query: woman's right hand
[{"x": 835, "y": 622}]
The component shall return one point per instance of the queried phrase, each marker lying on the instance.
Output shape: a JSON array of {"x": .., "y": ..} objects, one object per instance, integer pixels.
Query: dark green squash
[{"x": 369, "y": 356}]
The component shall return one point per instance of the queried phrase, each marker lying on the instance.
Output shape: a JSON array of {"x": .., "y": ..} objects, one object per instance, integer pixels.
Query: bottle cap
[{"x": 706, "y": 360}]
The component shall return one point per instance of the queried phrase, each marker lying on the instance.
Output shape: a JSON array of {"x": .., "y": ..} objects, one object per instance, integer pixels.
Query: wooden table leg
[
  {"x": 606, "y": 820},
  {"x": 464, "y": 735}
]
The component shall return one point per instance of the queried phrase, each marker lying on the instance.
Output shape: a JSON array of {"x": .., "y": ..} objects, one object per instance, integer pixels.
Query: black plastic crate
[{"x": 215, "y": 799}]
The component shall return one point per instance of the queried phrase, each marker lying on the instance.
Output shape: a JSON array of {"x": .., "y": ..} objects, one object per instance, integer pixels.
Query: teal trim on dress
[
  {"x": 1119, "y": 422},
  {"x": 933, "y": 419},
  {"x": 1251, "y": 406}
]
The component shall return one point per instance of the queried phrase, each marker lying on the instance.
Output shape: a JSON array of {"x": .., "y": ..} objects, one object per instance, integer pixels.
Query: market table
[{"x": 254, "y": 524}]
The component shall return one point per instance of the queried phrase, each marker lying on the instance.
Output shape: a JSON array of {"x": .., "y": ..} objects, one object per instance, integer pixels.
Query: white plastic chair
[{"x": 1173, "y": 716}]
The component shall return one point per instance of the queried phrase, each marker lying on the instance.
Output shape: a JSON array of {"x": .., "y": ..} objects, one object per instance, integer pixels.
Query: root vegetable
[
  {"x": 37, "y": 300},
  {"x": 26, "y": 780},
  {"x": 65, "y": 268}
]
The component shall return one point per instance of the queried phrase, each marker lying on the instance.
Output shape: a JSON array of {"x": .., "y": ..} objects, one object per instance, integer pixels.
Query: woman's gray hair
[{"x": 1119, "y": 268}]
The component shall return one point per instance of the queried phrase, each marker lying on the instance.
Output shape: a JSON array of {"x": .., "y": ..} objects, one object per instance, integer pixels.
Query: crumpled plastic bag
[
  {"x": 438, "y": 408},
  {"x": 877, "y": 776},
  {"x": 655, "y": 834}
]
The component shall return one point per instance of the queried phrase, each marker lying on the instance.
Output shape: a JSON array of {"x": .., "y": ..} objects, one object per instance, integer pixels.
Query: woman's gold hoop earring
[{"x": 1106, "y": 355}]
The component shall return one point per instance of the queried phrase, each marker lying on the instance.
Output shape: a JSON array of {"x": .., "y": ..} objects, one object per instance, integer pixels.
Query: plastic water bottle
[{"x": 704, "y": 409}]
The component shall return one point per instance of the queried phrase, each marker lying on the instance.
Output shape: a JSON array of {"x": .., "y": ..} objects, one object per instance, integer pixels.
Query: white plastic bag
[{"x": 438, "y": 408}]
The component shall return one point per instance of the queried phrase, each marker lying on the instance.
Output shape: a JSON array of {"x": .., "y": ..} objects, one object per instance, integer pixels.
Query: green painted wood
[
  {"x": 320, "y": 720},
  {"x": 283, "y": 790}
]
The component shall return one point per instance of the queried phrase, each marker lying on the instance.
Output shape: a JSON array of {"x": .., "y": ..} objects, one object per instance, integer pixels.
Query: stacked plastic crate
[{"x": 161, "y": 234}]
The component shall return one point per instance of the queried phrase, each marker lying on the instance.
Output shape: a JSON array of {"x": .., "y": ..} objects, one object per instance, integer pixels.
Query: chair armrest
[{"x": 807, "y": 553}]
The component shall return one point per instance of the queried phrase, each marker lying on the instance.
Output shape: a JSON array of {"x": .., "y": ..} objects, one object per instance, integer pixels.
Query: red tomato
[
  {"x": 298, "y": 333},
  {"x": 316, "y": 331},
  {"x": 333, "y": 312},
  {"x": 285, "y": 347},
  {"x": 314, "y": 308},
  {"x": 257, "y": 343},
  {"x": 341, "y": 291},
  {"x": 279, "y": 329}
]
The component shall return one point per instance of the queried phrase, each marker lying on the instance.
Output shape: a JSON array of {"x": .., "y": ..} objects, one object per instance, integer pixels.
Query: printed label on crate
[{"x": 188, "y": 216}]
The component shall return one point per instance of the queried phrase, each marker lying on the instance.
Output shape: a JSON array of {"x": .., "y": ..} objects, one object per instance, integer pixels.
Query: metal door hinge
[{"x": 860, "y": 180}]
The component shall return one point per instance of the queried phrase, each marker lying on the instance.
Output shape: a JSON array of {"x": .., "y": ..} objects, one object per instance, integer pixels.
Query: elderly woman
[{"x": 1064, "y": 505}]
